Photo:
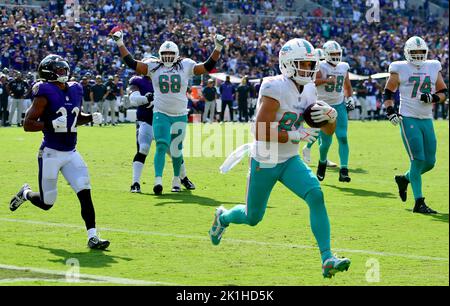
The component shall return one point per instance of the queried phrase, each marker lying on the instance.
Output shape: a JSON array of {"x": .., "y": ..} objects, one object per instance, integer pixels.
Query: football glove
[
  {"x": 149, "y": 96},
  {"x": 117, "y": 35},
  {"x": 60, "y": 123},
  {"x": 97, "y": 118},
  {"x": 303, "y": 134},
  {"x": 393, "y": 116},
  {"x": 323, "y": 112},
  {"x": 350, "y": 103},
  {"x": 429, "y": 98},
  {"x": 219, "y": 42}
]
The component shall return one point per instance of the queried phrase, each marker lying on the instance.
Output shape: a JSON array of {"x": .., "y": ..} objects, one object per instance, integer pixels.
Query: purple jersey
[
  {"x": 371, "y": 88},
  {"x": 60, "y": 102},
  {"x": 143, "y": 112}
]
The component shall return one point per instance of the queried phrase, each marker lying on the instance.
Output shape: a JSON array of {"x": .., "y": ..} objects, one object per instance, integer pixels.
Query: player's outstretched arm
[
  {"x": 219, "y": 42},
  {"x": 138, "y": 66},
  {"x": 31, "y": 123}
]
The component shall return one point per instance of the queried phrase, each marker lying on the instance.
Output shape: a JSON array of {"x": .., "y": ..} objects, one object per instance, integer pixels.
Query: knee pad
[
  {"x": 343, "y": 140},
  {"x": 82, "y": 183},
  {"x": 315, "y": 197},
  {"x": 254, "y": 219},
  {"x": 144, "y": 148},
  {"x": 162, "y": 147},
  {"x": 50, "y": 197}
]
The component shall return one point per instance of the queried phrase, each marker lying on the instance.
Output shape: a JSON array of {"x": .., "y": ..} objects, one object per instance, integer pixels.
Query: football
[{"x": 308, "y": 119}]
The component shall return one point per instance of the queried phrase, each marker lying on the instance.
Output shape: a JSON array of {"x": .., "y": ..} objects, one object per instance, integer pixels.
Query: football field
[{"x": 163, "y": 240}]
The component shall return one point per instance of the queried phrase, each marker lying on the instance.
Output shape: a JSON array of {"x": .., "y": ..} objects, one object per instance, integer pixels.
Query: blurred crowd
[{"x": 27, "y": 35}]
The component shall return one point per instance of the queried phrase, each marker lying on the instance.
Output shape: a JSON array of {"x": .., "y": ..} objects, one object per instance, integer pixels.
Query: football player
[
  {"x": 170, "y": 75},
  {"x": 56, "y": 112},
  {"x": 334, "y": 87},
  {"x": 306, "y": 151},
  {"x": 421, "y": 84},
  {"x": 279, "y": 127},
  {"x": 140, "y": 90}
]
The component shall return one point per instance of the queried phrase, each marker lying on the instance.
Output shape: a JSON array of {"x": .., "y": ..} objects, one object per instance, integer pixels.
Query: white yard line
[
  {"x": 262, "y": 243},
  {"x": 83, "y": 277}
]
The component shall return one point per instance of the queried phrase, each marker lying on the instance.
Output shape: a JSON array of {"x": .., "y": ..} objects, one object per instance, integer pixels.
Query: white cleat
[
  {"x": 306, "y": 153},
  {"x": 176, "y": 184},
  {"x": 19, "y": 198},
  {"x": 330, "y": 164}
]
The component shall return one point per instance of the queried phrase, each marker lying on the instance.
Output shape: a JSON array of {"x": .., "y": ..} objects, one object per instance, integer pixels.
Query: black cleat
[
  {"x": 187, "y": 183},
  {"x": 422, "y": 208},
  {"x": 402, "y": 184},
  {"x": 343, "y": 175},
  {"x": 157, "y": 189},
  {"x": 135, "y": 188},
  {"x": 19, "y": 198},
  {"x": 321, "y": 169},
  {"x": 176, "y": 189},
  {"x": 96, "y": 243}
]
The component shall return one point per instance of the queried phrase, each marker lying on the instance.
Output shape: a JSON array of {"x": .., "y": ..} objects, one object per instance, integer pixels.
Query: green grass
[{"x": 164, "y": 238}]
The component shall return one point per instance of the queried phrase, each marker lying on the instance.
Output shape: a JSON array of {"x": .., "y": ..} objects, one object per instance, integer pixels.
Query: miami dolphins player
[
  {"x": 275, "y": 153},
  {"x": 334, "y": 87},
  {"x": 56, "y": 112},
  {"x": 170, "y": 75},
  {"x": 306, "y": 151},
  {"x": 140, "y": 90},
  {"x": 421, "y": 84}
]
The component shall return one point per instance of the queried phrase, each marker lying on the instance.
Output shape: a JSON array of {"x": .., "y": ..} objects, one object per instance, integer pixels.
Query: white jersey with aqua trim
[
  {"x": 333, "y": 93},
  {"x": 170, "y": 85},
  {"x": 415, "y": 80},
  {"x": 289, "y": 116}
]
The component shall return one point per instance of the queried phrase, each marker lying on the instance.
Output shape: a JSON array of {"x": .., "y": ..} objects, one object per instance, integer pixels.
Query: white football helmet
[
  {"x": 320, "y": 54},
  {"x": 294, "y": 52},
  {"x": 416, "y": 43},
  {"x": 168, "y": 53},
  {"x": 333, "y": 52}
]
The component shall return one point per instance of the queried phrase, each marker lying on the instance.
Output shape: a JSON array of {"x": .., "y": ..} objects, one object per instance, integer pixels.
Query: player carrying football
[
  {"x": 421, "y": 84},
  {"x": 141, "y": 95},
  {"x": 279, "y": 127},
  {"x": 170, "y": 75},
  {"x": 56, "y": 112}
]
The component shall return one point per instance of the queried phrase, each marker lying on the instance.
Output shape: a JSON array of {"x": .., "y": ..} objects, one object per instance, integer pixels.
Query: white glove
[
  {"x": 303, "y": 134},
  {"x": 60, "y": 123},
  {"x": 350, "y": 103},
  {"x": 97, "y": 118},
  {"x": 117, "y": 35},
  {"x": 219, "y": 42},
  {"x": 323, "y": 112}
]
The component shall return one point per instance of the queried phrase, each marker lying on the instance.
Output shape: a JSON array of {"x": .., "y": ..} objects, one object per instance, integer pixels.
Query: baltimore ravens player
[
  {"x": 140, "y": 90},
  {"x": 334, "y": 87},
  {"x": 56, "y": 112},
  {"x": 170, "y": 75},
  {"x": 421, "y": 84},
  {"x": 275, "y": 153}
]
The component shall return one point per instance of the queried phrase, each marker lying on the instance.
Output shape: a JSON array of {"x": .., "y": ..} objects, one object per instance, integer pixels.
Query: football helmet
[
  {"x": 320, "y": 54},
  {"x": 53, "y": 68},
  {"x": 333, "y": 52},
  {"x": 168, "y": 53},
  {"x": 416, "y": 43},
  {"x": 290, "y": 57}
]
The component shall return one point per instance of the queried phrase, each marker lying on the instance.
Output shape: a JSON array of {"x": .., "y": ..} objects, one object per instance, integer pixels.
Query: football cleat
[
  {"x": 96, "y": 243},
  {"x": 217, "y": 229},
  {"x": 176, "y": 184},
  {"x": 402, "y": 183},
  {"x": 135, "y": 188},
  {"x": 321, "y": 169},
  {"x": 333, "y": 265},
  {"x": 187, "y": 183},
  {"x": 19, "y": 198},
  {"x": 343, "y": 175},
  {"x": 157, "y": 189},
  {"x": 422, "y": 208},
  {"x": 331, "y": 164},
  {"x": 306, "y": 154}
]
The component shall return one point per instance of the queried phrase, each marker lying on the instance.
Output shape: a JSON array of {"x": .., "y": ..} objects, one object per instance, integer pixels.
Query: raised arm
[
  {"x": 138, "y": 66},
  {"x": 210, "y": 63}
]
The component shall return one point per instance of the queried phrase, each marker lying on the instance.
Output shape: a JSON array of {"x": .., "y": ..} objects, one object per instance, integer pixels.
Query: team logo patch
[{"x": 35, "y": 89}]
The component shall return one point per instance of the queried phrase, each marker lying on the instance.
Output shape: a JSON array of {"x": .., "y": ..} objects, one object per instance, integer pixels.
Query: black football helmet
[{"x": 53, "y": 68}]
